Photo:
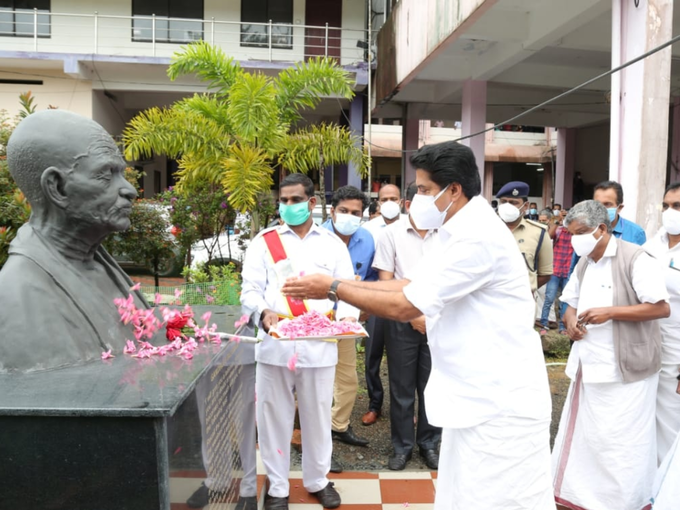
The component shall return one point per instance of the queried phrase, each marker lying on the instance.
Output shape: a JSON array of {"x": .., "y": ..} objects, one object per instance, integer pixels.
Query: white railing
[{"x": 34, "y": 30}]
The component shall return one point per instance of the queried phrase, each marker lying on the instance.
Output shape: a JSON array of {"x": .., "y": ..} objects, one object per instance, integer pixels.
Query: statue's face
[{"x": 98, "y": 193}]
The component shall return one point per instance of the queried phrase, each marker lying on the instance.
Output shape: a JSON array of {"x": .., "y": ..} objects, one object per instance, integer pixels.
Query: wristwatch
[{"x": 333, "y": 292}]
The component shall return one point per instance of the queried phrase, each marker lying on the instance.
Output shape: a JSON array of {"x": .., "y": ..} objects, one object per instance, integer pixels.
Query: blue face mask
[
  {"x": 533, "y": 211},
  {"x": 295, "y": 214},
  {"x": 612, "y": 213}
]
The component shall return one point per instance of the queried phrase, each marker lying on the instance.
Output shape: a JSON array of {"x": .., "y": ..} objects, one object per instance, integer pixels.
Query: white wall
[
  {"x": 57, "y": 90},
  {"x": 73, "y": 31}
]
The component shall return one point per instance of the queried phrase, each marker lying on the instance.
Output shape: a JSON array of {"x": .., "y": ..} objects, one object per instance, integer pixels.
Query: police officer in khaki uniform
[{"x": 532, "y": 237}]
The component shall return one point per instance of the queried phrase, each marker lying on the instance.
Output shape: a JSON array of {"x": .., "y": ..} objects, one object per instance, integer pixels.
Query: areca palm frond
[
  {"x": 247, "y": 173},
  {"x": 173, "y": 132},
  {"x": 208, "y": 62},
  {"x": 318, "y": 146},
  {"x": 252, "y": 109},
  {"x": 210, "y": 106},
  {"x": 306, "y": 84},
  {"x": 194, "y": 169}
]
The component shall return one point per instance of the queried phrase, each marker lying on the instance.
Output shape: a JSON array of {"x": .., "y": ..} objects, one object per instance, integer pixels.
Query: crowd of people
[{"x": 458, "y": 294}]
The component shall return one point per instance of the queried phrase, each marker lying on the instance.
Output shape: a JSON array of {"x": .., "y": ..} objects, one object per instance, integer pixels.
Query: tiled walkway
[{"x": 359, "y": 491}]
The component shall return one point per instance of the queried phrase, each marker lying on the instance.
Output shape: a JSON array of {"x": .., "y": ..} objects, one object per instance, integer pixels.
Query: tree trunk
[
  {"x": 322, "y": 193},
  {"x": 156, "y": 278},
  {"x": 254, "y": 224}
]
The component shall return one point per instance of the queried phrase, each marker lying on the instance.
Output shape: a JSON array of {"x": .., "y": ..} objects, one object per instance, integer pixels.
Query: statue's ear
[{"x": 52, "y": 183}]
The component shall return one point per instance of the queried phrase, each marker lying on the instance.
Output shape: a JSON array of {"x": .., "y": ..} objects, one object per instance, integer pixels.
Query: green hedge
[{"x": 222, "y": 293}]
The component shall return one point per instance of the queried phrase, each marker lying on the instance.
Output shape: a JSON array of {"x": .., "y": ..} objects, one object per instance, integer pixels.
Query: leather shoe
[
  {"x": 431, "y": 458},
  {"x": 246, "y": 503},
  {"x": 370, "y": 417},
  {"x": 349, "y": 437},
  {"x": 335, "y": 465},
  {"x": 199, "y": 498},
  {"x": 328, "y": 496},
  {"x": 397, "y": 461},
  {"x": 272, "y": 503}
]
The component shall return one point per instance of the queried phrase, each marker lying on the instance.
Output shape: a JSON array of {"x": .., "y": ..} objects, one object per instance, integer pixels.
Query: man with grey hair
[
  {"x": 58, "y": 285},
  {"x": 605, "y": 450}
]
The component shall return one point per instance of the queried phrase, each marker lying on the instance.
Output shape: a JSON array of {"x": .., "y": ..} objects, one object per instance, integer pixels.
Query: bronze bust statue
[{"x": 58, "y": 285}]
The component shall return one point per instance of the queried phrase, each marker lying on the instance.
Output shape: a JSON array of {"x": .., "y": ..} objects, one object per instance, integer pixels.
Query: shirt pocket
[{"x": 322, "y": 267}]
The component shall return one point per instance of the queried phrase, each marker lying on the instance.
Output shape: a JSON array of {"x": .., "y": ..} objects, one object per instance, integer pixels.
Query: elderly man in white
[
  {"x": 605, "y": 451},
  {"x": 488, "y": 387},
  {"x": 665, "y": 247}
]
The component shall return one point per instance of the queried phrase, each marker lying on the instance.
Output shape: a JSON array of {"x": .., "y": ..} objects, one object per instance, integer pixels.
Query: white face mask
[
  {"x": 346, "y": 224},
  {"x": 508, "y": 212},
  {"x": 390, "y": 209},
  {"x": 584, "y": 244},
  {"x": 671, "y": 221},
  {"x": 425, "y": 213},
  {"x": 557, "y": 212}
]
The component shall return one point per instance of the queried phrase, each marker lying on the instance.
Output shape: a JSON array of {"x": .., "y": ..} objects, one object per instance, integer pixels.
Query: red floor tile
[
  {"x": 360, "y": 507},
  {"x": 434, "y": 475},
  {"x": 188, "y": 474},
  {"x": 407, "y": 491}
]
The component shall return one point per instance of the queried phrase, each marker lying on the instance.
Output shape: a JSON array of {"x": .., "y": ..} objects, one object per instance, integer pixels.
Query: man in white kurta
[
  {"x": 667, "y": 398},
  {"x": 286, "y": 369},
  {"x": 604, "y": 456},
  {"x": 488, "y": 387}
]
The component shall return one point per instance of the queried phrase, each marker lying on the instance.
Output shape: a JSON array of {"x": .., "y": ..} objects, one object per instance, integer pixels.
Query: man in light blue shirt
[
  {"x": 610, "y": 195},
  {"x": 348, "y": 204}
]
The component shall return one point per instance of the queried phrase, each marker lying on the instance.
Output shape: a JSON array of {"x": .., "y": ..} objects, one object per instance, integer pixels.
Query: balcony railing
[{"x": 26, "y": 30}]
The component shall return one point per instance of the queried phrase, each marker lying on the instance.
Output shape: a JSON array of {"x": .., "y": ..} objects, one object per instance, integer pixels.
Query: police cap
[{"x": 514, "y": 189}]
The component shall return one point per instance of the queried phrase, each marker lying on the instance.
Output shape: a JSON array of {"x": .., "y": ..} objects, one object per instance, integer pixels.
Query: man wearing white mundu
[{"x": 488, "y": 387}]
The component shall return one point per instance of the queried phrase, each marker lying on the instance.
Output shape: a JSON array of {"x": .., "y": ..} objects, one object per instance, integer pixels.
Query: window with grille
[
  {"x": 18, "y": 19},
  {"x": 255, "y": 17},
  {"x": 177, "y": 21}
]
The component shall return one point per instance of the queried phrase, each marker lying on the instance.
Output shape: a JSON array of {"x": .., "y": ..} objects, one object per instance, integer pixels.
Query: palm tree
[{"x": 247, "y": 124}]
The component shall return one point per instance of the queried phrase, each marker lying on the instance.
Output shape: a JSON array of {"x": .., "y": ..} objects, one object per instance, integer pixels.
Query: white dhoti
[
  {"x": 503, "y": 464},
  {"x": 276, "y": 390},
  {"x": 226, "y": 393},
  {"x": 605, "y": 450},
  {"x": 666, "y": 491},
  {"x": 667, "y": 410}
]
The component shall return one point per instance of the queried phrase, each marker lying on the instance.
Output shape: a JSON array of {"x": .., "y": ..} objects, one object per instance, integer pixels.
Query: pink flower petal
[
  {"x": 210, "y": 299},
  {"x": 292, "y": 362},
  {"x": 129, "y": 347},
  {"x": 206, "y": 316},
  {"x": 178, "y": 293},
  {"x": 157, "y": 299},
  {"x": 107, "y": 354},
  {"x": 136, "y": 287},
  {"x": 278, "y": 450}
]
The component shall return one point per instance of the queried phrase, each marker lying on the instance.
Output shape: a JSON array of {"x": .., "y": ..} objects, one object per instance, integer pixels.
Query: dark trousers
[
  {"x": 409, "y": 364},
  {"x": 375, "y": 345}
]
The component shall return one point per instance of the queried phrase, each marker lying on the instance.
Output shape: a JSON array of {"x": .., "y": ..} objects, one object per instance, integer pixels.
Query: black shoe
[
  {"x": 431, "y": 458},
  {"x": 349, "y": 437},
  {"x": 199, "y": 498},
  {"x": 246, "y": 503},
  {"x": 272, "y": 503},
  {"x": 397, "y": 461},
  {"x": 328, "y": 496},
  {"x": 335, "y": 466}
]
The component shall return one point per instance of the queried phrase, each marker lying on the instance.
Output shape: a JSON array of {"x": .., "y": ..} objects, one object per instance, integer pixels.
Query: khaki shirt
[{"x": 527, "y": 234}]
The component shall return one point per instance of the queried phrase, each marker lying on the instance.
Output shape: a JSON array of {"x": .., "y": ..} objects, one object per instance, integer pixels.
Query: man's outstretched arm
[{"x": 384, "y": 299}]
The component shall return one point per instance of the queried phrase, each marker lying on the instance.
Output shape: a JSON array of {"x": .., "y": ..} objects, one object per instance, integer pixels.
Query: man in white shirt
[
  {"x": 400, "y": 249},
  {"x": 488, "y": 387},
  {"x": 605, "y": 450},
  {"x": 289, "y": 368},
  {"x": 665, "y": 247},
  {"x": 389, "y": 198}
]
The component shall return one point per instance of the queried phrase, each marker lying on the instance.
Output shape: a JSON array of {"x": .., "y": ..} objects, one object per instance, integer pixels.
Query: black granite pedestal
[{"x": 95, "y": 436}]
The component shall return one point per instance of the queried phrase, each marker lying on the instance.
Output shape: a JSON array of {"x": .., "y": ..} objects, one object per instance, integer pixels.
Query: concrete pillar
[
  {"x": 474, "y": 120},
  {"x": 410, "y": 142},
  {"x": 356, "y": 124},
  {"x": 564, "y": 167},
  {"x": 675, "y": 142},
  {"x": 639, "y": 107},
  {"x": 487, "y": 181}
]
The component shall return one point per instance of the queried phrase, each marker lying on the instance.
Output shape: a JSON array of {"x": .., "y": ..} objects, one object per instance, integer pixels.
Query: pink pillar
[
  {"x": 675, "y": 142},
  {"x": 410, "y": 138},
  {"x": 639, "y": 107},
  {"x": 474, "y": 120},
  {"x": 564, "y": 167}
]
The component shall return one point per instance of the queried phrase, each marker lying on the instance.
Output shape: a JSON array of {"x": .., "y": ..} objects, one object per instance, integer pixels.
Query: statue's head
[{"x": 71, "y": 172}]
